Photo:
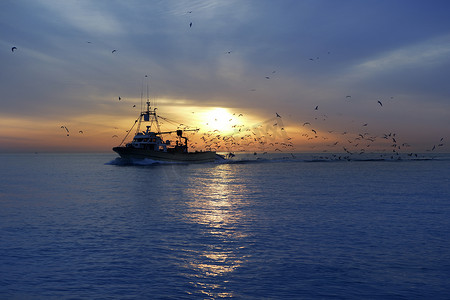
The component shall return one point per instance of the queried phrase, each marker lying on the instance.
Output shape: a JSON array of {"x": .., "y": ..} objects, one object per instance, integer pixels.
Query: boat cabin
[{"x": 149, "y": 140}]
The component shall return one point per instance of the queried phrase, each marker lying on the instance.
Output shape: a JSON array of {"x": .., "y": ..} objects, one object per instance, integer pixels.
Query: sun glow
[{"x": 220, "y": 119}]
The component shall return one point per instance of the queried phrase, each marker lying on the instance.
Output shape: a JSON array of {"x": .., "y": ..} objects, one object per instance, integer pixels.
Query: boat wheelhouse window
[
  {"x": 144, "y": 140},
  {"x": 149, "y": 146}
]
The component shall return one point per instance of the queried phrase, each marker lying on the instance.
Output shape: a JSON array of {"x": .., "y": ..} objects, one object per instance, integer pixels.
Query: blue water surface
[{"x": 90, "y": 226}]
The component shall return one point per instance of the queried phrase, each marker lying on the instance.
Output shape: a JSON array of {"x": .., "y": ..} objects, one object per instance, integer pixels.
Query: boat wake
[
  {"x": 300, "y": 158},
  {"x": 139, "y": 162}
]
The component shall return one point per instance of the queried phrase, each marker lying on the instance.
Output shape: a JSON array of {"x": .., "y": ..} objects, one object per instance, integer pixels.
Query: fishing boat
[{"x": 150, "y": 143}]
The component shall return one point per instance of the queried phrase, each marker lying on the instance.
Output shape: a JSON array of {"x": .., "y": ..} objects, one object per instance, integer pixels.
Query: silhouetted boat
[{"x": 150, "y": 143}]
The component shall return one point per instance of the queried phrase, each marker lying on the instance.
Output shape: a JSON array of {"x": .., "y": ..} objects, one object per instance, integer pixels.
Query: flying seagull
[
  {"x": 114, "y": 51},
  {"x": 278, "y": 115},
  {"x": 64, "y": 127},
  {"x": 13, "y": 48},
  {"x": 379, "y": 102},
  {"x": 190, "y": 24},
  {"x": 317, "y": 107}
]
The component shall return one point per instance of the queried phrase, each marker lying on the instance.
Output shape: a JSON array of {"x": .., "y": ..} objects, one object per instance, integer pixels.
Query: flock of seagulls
[
  {"x": 387, "y": 145},
  {"x": 271, "y": 136}
]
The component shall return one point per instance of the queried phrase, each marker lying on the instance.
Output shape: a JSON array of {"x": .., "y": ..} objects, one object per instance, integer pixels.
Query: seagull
[
  {"x": 306, "y": 123},
  {"x": 348, "y": 96},
  {"x": 317, "y": 107},
  {"x": 379, "y": 102},
  {"x": 115, "y": 136},
  {"x": 114, "y": 51},
  {"x": 64, "y": 127},
  {"x": 120, "y": 98},
  {"x": 81, "y": 131},
  {"x": 278, "y": 116},
  {"x": 190, "y": 24},
  {"x": 13, "y": 48}
]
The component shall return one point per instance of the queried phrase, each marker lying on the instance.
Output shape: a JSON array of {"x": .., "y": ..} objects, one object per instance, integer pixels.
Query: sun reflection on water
[{"x": 218, "y": 206}]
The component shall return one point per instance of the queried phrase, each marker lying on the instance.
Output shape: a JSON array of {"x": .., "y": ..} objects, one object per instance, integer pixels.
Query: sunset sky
[{"x": 224, "y": 65}]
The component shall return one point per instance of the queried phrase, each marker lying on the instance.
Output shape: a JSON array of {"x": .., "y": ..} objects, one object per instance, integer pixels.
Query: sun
[{"x": 219, "y": 119}]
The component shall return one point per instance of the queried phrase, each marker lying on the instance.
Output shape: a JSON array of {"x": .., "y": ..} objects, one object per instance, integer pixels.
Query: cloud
[
  {"x": 426, "y": 53},
  {"x": 91, "y": 17}
]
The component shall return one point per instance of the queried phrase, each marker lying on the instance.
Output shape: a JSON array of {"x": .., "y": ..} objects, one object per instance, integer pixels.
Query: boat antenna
[
  {"x": 148, "y": 99},
  {"x": 142, "y": 93}
]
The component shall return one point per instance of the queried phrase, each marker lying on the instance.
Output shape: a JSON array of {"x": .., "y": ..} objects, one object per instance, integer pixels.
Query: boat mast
[{"x": 149, "y": 115}]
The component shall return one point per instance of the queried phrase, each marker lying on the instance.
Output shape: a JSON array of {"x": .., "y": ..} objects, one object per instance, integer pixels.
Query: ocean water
[{"x": 89, "y": 226}]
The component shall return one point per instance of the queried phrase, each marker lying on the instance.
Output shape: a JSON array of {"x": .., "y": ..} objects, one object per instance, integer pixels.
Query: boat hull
[{"x": 190, "y": 157}]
